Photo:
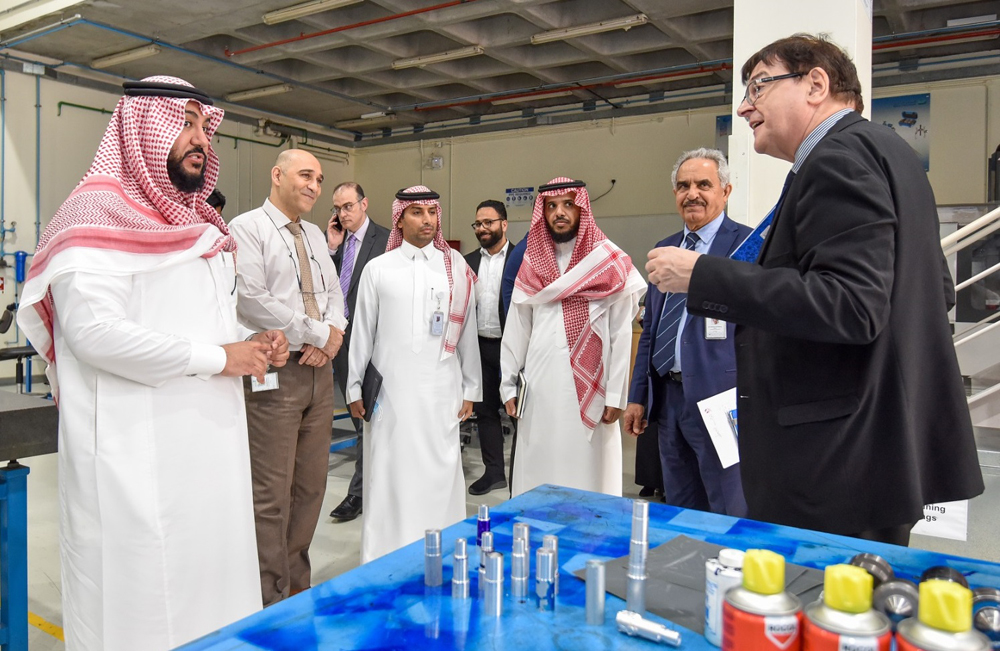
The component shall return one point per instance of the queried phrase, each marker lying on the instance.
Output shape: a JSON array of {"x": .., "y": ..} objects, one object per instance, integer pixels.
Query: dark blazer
[
  {"x": 376, "y": 239},
  {"x": 852, "y": 411},
  {"x": 708, "y": 365},
  {"x": 475, "y": 258}
]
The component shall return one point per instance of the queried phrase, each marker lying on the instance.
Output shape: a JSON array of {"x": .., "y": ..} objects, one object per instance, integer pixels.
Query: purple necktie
[{"x": 347, "y": 268}]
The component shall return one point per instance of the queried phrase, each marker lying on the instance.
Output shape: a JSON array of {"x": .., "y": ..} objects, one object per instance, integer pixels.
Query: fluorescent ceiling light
[
  {"x": 450, "y": 55},
  {"x": 254, "y": 93},
  {"x": 304, "y": 9},
  {"x": 626, "y": 23},
  {"x": 126, "y": 57},
  {"x": 530, "y": 98},
  {"x": 367, "y": 122},
  {"x": 662, "y": 80}
]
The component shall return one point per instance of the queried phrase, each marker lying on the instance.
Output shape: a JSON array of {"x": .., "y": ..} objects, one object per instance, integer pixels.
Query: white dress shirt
[
  {"x": 488, "y": 282},
  {"x": 268, "y": 278}
]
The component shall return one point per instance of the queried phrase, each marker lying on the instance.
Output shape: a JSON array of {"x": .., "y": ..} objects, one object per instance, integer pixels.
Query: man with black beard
[{"x": 489, "y": 262}]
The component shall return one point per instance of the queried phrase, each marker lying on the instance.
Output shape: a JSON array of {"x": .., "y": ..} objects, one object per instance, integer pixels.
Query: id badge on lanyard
[
  {"x": 437, "y": 318},
  {"x": 715, "y": 329}
]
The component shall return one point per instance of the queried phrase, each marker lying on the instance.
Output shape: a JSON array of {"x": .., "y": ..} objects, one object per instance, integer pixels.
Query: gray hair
[{"x": 703, "y": 152}]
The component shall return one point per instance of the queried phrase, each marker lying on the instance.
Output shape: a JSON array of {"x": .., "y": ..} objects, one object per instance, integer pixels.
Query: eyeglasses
[
  {"x": 486, "y": 223},
  {"x": 754, "y": 86},
  {"x": 347, "y": 207}
]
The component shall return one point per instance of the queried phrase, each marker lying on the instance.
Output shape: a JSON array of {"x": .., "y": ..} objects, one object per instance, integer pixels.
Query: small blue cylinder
[{"x": 20, "y": 258}]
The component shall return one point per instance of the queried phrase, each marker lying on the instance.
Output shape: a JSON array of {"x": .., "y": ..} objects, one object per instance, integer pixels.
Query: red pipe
[
  {"x": 344, "y": 28},
  {"x": 549, "y": 91},
  {"x": 942, "y": 38}
]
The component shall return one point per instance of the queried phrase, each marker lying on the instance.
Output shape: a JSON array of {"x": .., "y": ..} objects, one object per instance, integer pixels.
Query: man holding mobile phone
[{"x": 354, "y": 241}]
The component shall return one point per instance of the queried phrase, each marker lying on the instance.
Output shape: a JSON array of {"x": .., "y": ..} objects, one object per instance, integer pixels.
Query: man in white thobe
[
  {"x": 131, "y": 301},
  {"x": 569, "y": 331},
  {"x": 414, "y": 306}
]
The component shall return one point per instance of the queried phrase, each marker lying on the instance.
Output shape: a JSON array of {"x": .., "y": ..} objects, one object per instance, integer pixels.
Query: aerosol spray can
[
  {"x": 760, "y": 615},
  {"x": 721, "y": 574},
  {"x": 844, "y": 619},
  {"x": 943, "y": 622}
]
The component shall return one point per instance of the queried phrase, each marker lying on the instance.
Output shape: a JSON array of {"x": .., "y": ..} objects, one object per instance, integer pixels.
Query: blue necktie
[
  {"x": 670, "y": 318},
  {"x": 347, "y": 268}
]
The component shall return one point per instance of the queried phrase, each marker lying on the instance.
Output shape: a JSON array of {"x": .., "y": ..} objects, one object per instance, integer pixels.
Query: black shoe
[
  {"x": 647, "y": 491},
  {"x": 347, "y": 510},
  {"x": 484, "y": 485}
]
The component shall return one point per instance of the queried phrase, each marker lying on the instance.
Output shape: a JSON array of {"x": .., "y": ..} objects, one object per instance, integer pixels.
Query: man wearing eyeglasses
[
  {"x": 489, "y": 262},
  {"x": 286, "y": 279},
  {"x": 354, "y": 240},
  {"x": 852, "y": 412}
]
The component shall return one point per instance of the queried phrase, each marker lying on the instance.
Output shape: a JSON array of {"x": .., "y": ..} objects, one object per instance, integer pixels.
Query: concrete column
[{"x": 757, "y": 179}]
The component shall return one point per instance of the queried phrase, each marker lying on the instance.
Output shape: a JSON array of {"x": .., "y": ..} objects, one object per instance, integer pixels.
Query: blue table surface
[{"x": 385, "y": 605}]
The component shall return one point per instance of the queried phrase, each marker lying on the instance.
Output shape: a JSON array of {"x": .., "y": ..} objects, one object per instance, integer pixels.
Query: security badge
[
  {"x": 270, "y": 382},
  {"x": 437, "y": 319},
  {"x": 715, "y": 329}
]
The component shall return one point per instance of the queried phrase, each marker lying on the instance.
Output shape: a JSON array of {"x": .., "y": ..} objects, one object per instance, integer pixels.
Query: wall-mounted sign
[
  {"x": 517, "y": 197},
  {"x": 910, "y": 117}
]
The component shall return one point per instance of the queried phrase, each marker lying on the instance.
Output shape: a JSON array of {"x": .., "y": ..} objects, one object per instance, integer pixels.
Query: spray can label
[
  {"x": 817, "y": 638},
  {"x": 718, "y": 580},
  {"x": 743, "y": 631}
]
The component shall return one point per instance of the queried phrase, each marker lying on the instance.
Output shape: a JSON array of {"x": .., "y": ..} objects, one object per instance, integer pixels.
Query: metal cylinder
[
  {"x": 519, "y": 570},
  {"x": 482, "y": 523},
  {"x": 485, "y": 547},
  {"x": 545, "y": 564},
  {"x": 551, "y": 543},
  {"x": 595, "y": 592},
  {"x": 522, "y": 530},
  {"x": 460, "y": 571},
  {"x": 635, "y": 589},
  {"x": 636, "y": 625},
  {"x": 433, "y": 574},
  {"x": 493, "y": 593},
  {"x": 944, "y": 573},
  {"x": 897, "y": 599}
]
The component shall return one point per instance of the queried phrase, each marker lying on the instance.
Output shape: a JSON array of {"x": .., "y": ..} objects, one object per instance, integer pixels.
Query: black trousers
[
  {"x": 488, "y": 411},
  {"x": 340, "y": 373}
]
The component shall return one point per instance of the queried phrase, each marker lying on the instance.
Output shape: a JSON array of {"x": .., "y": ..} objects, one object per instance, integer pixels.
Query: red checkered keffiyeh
[
  {"x": 459, "y": 286},
  {"x": 605, "y": 270},
  {"x": 125, "y": 216}
]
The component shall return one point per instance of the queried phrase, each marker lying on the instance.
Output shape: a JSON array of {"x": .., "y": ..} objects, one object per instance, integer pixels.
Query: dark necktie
[{"x": 670, "y": 318}]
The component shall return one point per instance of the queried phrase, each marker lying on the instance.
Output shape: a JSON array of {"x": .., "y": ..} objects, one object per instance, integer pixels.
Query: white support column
[{"x": 757, "y": 179}]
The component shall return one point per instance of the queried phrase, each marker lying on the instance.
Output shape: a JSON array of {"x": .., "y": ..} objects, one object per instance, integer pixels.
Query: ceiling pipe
[
  {"x": 660, "y": 74},
  {"x": 344, "y": 28},
  {"x": 41, "y": 31}
]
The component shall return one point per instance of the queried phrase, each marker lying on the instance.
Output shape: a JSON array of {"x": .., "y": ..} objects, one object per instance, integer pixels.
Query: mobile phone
[{"x": 337, "y": 224}]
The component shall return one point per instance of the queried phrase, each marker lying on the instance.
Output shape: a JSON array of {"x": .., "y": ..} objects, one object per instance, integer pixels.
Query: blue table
[{"x": 385, "y": 605}]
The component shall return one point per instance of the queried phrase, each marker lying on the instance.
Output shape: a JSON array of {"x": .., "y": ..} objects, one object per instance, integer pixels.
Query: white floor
[{"x": 336, "y": 547}]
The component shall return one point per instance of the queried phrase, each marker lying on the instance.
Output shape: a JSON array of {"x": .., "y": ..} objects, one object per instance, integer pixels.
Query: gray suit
[{"x": 374, "y": 243}]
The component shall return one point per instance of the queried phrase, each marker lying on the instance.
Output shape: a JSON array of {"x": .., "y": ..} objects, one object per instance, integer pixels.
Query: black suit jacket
[
  {"x": 376, "y": 239},
  {"x": 852, "y": 411},
  {"x": 474, "y": 258}
]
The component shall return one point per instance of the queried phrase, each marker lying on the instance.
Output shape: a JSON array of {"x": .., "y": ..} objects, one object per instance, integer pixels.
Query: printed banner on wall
[
  {"x": 518, "y": 197},
  {"x": 945, "y": 520},
  {"x": 910, "y": 117}
]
